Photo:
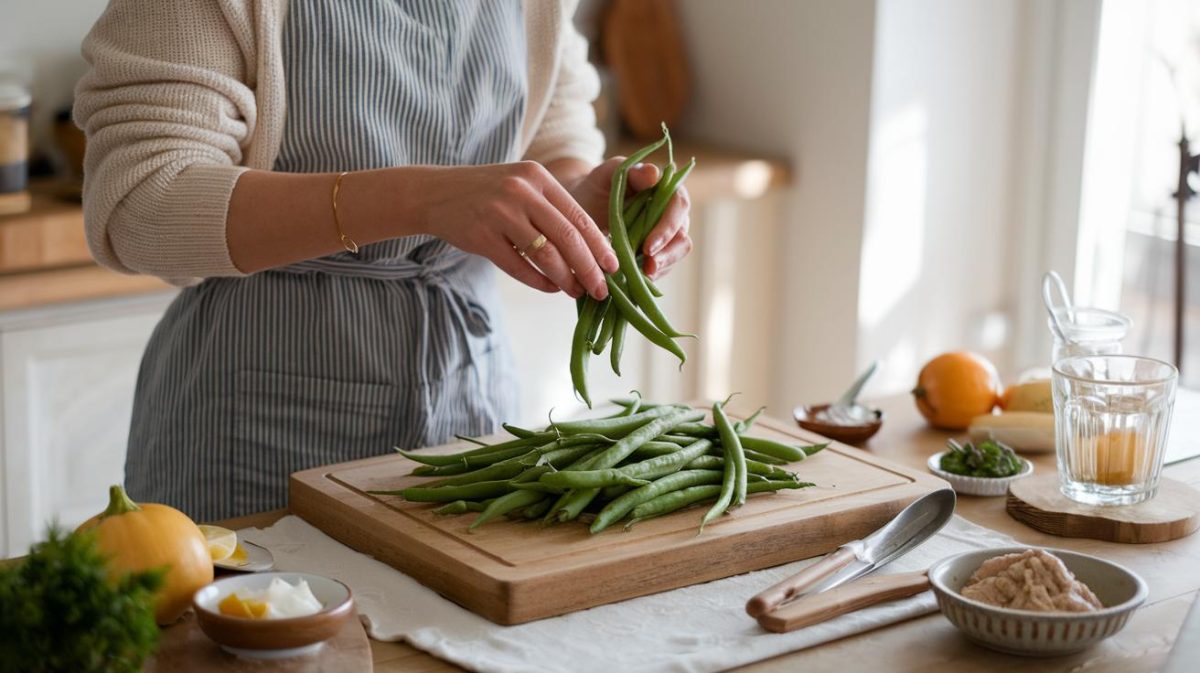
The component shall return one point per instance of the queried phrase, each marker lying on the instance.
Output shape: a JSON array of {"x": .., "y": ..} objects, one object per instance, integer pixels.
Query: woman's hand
[
  {"x": 669, "y": 241},
  {"x": 499, "y": 210}
]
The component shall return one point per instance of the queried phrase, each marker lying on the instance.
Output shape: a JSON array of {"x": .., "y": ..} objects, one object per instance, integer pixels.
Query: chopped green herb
[{"x": 985, "y": 459}]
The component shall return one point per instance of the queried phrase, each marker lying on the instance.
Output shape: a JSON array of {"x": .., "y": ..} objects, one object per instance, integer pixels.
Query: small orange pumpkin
[
  {"x": 955, "y": 387},
  {"x": 143, "y": 537}
]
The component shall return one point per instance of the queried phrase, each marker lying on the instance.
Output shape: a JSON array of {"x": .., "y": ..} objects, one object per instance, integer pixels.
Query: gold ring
[{"x": 538, "y": 244}]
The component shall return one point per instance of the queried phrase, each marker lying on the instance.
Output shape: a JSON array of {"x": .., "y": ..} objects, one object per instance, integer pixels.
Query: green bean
[
  {"x": 504, "y": 504},
  {"x": 441, "y": 459},
  {"x": 613, "y": 492},
  {"x": 538, "y": 487},
  {"x": 476, "y": 491},
  {"x": 573, "y": 479},
  {"x": 627, "y": 401},
  {"x": 606, "y": 332},
  {"x": 701, "y": 430},
  {"x": 641, "y": 323},
  {"x": 733, "y": 446},
  {"x": 506, "y": 469},
  {"x": 617, "y": 509},
  {"x": 763, "y": 458},
  {"x": 598, "y": 322},
  {"x": 681, "y": 440},
  {"x": 743, "y": 426},
  {"x": 752, "y": 467},
  {"x": 559, "y": 458},
  {"x": 620, "y": 324},
  {"x": 629, "y": 443},
  {"x": 632, "y": 408},
  {"x": 519, "y": 432},
  {"x": 579, "y": 350},
  {"x": 635, "y": 206},
  {"x": 461, "y": 507},
  {"x": 666, "y": 464},
  {"x": 658, "y": 205},
  {"x": 573, "y": 503},
  {"x": 537, "y": 509},
  {"x": 440, "y": 470},
  {"x": 780, "y": 450},
  {"x": 625, "y": 253},
  {"x": 728, "y": 481},
  {"x": 665, "y": 504},
  {"x": 654, "y": 449},
  {"x": 615, "y": 427}
]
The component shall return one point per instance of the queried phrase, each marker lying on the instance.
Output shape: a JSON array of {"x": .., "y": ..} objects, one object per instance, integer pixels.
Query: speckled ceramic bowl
[
  {"x": 966, "y": 485},
  {"x": 1038, "y": 634}
]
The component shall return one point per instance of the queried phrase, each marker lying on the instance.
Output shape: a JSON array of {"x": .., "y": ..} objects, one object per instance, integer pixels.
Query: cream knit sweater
[{"x": 183, "y": 96}]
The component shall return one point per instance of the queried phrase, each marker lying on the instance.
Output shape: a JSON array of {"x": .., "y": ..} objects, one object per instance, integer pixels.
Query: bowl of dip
[
  {"x": 1035, "y": 602},
  {"x": 273, "y": 615},
  {"x": 815, "y": 418}
]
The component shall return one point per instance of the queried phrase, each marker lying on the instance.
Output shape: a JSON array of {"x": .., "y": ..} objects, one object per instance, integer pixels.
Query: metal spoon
[
  {"x": 845, "y": 411},
  {"x": 258, "y": 559}
]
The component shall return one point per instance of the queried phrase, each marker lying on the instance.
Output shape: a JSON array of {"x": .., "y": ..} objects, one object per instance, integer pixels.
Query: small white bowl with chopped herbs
[{"x": 979, "y": 468}]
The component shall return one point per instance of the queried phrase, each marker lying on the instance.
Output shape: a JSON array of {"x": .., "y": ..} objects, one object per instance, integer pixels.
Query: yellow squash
[{"x": 140, "y": 537}]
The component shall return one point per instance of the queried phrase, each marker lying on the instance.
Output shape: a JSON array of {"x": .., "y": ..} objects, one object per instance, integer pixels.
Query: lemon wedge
[
  {"x": 234, "y": 606},
  {"x": 222, "y": 542}
]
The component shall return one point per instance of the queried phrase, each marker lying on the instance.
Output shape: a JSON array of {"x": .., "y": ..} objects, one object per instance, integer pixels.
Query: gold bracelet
[{"x": 347, "y": 242}]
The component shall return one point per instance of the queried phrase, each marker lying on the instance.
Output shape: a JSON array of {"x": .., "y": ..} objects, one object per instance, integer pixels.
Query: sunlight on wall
[
  {"x": 720, "y": 234},
  {"x": 895, "y": 232}
]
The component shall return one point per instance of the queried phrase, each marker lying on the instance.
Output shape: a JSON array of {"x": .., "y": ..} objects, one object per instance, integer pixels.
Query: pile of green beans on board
[
  {"x": 630, "y": 301},
  {"x": 645, "y": 461}
]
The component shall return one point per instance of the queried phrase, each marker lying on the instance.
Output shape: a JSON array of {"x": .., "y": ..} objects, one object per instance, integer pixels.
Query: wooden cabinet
[{"x": 67, "y": 378}]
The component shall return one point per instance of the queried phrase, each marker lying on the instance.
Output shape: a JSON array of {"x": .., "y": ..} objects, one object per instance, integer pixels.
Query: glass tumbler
[{"x": 1111, "y": 416}]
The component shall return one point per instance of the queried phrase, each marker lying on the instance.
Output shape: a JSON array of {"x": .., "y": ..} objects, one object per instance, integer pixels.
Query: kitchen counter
[
  {"x": 931, "y": 643},
  {"x": 44, "y": 258}
]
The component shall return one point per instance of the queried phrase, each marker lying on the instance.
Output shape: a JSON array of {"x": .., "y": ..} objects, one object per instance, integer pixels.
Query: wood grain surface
[
  {"x": 514, "y": 572},
  {"x": 1173, "y": 513},
  {"x": 184, "y": 648},
  {"x": 644, "y": 48}
]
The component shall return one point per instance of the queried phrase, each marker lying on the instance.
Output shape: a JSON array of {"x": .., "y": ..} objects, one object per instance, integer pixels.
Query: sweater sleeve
[
  {"x": 167, "y": 116},
  {"x": 568, "y": 129}
]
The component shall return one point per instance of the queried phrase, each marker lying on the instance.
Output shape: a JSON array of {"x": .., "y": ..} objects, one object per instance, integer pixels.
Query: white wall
[
  {"x": 39, "y": 42},
  {"x": 937, "y": 242},
  {"x": 792, "y": 79}
]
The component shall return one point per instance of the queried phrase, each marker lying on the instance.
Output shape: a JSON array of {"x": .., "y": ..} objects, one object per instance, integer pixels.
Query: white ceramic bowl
[
  {"x": 977, "y": 485},
  {"x": 273, "y": 638},
  {"x": 1038, "y": 634}
]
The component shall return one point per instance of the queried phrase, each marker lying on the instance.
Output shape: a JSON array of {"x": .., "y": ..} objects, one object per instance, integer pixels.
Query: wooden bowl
[
  {"x": 273, "y": 638},
  {"x": 806, "y": 417}
]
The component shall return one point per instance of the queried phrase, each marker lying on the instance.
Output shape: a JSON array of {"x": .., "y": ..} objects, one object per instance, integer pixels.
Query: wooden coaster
[{"x": 1172, "y": 514}]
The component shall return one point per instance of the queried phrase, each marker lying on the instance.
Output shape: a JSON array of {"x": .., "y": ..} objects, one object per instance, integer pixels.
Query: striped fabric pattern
[{"x": 245, "y": 381}]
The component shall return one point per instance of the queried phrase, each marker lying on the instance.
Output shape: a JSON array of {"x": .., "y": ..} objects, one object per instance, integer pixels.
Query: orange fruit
[{"x": 955, "y": 387}]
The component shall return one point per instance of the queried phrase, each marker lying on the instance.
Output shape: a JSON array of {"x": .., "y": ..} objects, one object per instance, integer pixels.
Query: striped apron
[{"x": 246, "y": 380}]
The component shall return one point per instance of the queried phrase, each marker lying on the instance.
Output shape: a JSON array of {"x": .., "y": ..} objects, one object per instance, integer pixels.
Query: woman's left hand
[{"x": 669, "y": 241}]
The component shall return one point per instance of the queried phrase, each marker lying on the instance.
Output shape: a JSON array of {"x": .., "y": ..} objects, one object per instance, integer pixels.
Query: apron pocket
[{"x": 284, "y": 422}]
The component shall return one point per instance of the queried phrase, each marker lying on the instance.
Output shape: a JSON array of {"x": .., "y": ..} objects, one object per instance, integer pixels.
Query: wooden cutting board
[{"x": 514, "y": 572}]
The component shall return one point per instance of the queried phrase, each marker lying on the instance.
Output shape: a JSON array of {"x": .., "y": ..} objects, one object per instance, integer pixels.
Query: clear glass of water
[{"x": 1111, "y": 416}]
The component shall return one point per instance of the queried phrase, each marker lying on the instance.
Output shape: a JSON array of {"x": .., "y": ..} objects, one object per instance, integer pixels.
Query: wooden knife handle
[
  {"x": 809, "y": 610},
  {"x": 777, "y": 595}
]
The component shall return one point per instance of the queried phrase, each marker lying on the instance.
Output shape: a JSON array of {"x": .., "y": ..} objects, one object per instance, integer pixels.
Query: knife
[{"x": 912, "y": 526}]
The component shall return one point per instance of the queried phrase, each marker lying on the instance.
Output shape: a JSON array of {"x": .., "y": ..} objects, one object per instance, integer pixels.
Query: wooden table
[{"x": 1172, "y": 570}]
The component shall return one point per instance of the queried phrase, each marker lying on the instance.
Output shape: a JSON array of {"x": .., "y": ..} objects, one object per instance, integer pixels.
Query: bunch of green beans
[
  {"x": 631, "y": 295},
  {"x": 645, "y": 461}
]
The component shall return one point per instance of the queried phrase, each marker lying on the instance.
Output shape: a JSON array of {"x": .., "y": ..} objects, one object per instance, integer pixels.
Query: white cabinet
[{"x": 67, "y": 377}]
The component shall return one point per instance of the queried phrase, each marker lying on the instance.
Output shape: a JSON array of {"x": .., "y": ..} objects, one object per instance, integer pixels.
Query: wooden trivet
[{"x": 1173, "y": 513}]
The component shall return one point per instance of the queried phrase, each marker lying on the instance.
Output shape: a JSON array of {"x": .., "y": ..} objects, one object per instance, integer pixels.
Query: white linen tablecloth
[{"x": 695, "y": 629}]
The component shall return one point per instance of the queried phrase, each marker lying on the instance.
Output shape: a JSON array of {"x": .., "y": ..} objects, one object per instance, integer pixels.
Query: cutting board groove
[{"x": 514, "y": 572}]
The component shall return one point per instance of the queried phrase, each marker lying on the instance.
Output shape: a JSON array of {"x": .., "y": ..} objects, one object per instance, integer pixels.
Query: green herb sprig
[
  {"x": 986, "y": 459},
  {"x": 60, "y": 611}
]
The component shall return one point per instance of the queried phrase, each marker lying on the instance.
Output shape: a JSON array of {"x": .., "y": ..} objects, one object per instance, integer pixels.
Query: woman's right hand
[{"x": 499, "y": 209}]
